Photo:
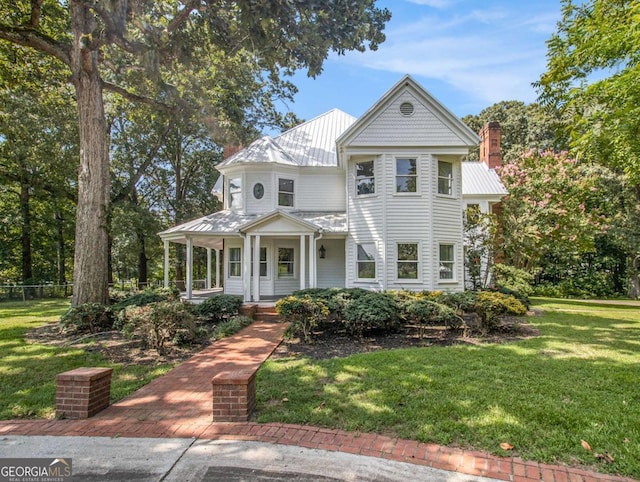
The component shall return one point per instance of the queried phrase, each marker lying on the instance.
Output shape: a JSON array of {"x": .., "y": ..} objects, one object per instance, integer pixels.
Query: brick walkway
[{"x": 179, "y": 404}]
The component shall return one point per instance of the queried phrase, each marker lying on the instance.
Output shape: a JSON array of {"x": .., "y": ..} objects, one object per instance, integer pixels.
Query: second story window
[
  {"x": 235, "y": 193},
  {"x": 365, "y": 178},
  {"x": 445, "y": 178},
  {"x": 406, "y": 175},
  {"x": 285, "y": 192}
]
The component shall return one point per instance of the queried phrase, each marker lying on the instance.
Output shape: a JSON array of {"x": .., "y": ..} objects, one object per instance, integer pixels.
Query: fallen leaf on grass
[
  {"x": 506, "y": 446},
  {"x": 322, "y": 405},
  {"x": 626, "y": 440},
  {"x": 285, "y": 399},
  {"x": 605, "y": 457},
  {"x": 585, "y": 445}
]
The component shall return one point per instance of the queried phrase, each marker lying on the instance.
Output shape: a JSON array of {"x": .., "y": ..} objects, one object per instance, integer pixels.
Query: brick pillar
[
  {"x": 83, "y": 392},
  {"x": 234, "y": 395}
]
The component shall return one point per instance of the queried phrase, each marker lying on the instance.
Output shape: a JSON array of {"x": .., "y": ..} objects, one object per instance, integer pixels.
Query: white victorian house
[{"x": 375, "y": 202}]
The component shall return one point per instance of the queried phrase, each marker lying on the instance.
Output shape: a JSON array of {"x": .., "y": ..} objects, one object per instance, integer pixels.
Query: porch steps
[{"x": 265, "y": 313}]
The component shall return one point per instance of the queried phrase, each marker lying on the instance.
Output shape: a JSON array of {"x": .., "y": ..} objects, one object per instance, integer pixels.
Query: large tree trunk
[
  {"x": 91, "y": 250},
  {"x": 142, "y": 259}
]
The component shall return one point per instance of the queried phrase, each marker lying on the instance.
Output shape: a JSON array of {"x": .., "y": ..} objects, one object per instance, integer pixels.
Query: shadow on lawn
[{"x": 577, "y": 381}]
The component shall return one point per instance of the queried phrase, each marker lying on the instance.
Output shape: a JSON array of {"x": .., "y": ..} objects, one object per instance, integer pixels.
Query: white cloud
[{"x": 489, "y": 55}]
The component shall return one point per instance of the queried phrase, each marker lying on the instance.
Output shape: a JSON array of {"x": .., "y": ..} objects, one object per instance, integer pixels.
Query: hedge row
[
  {"x": 359, "y": 311},
  {"x": 156, "y": 316}
]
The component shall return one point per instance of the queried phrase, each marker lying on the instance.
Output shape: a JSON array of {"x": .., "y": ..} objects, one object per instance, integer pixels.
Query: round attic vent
[{"x": 406, "y": 108}]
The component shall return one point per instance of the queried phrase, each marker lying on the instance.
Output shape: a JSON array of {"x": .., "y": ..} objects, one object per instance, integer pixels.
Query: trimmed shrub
[
  {"x": 371, "y": 311},
  {"x": 219, "y": 308},
  {"x": 303, "y": 312},
  {"x": 490, "y": 306},
  {"x": 461, "y": 302},
  {"x": 231, "y": 326},
  {"x": 425, "y": 312},
  {"x": 145, "y": 297},
  {"x": 513, "y": 281},
  {"x": 156, "y": 323},
  {"x": 88, "y": 318}
]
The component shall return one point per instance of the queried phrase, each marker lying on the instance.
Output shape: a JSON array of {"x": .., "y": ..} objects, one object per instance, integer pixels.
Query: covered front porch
[{"x": 262, "y": 257}]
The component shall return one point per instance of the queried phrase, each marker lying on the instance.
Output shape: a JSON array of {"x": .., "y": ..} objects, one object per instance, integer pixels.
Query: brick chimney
[
  {"x": 490, "y": 152},
  {"x": 229, "y": 150}
]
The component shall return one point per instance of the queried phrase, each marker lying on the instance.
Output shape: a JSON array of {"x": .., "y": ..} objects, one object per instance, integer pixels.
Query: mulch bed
[{"x": 328, "y": 343}]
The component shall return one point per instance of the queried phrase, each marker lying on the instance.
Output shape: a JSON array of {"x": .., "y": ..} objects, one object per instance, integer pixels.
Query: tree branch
[
  {"x": 36, "y": 11},
  {"x": 130, "y": 96},
  {"x": 29, "y": 37},
  {"x": 182, "y": 16}
]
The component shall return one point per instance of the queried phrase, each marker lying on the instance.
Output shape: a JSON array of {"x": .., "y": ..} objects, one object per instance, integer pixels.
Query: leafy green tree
[
  {"x": 563, "y": 216},
  {"x": 38, "y": 152},
  {"x": 158, "y": 52},
  {"x": 522, "y": 126},
  {"x": 592, "y": 77}
]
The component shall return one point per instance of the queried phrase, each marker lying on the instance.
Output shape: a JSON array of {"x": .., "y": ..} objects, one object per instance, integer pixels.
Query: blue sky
[{"x": 469, "y": 54}]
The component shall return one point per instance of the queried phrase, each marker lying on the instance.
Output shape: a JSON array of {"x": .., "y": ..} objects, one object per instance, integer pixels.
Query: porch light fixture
[{"x": 323, "y": 252}]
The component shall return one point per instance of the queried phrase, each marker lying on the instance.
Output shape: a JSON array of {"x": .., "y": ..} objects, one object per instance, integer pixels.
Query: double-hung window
[
  {"x": 235, "y": 262},
  {"x": 407, "y": 260},
  {"x": 406, "y": 175},
  {"x": 445, "y": 178},
  {"x": 447, "y": 261},
  {"x": 235, "y": 192},
  {"x": 263, "y": 262},
  {"x": 365, "y": 178},
  {"x": 285, "y": 192},
  {"x": 366, "y": 261},
  {"x": 285, "y": 262}
]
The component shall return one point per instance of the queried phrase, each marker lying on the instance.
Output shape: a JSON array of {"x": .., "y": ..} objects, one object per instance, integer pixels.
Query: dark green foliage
[
  {"x": 513, "y": 281},
  {"x": 144, "y": 298},
  {"x": 219, "y": 308},
  {"x": 371, "y": 311},
  {"x": 463, "y": 301},
  {"x": 424, "y": 312},
  {"x": 490, "y": 306},
  {"x": 88, "y": 318},
  {"x": 231, "y": 326},
  {"x": 303, "y": 312},
  {"x": 156, "y": 323}
]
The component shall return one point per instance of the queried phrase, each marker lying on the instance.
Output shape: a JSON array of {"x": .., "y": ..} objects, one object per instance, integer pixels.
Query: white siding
[
  {"x": 390, "y": 128},
  {"x": 331, "y": 269},
  {"x": 447, "y": 229},
  {"x": 287, "y": 284},
  {"x": 232, "y": 285},
  {"x": 408, "y": 218},
  {"x": 317, "y": 191},
  {"x": 252, "y": 204}
]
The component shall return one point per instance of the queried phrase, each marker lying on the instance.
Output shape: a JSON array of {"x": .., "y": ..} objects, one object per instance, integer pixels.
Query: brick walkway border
[{"x": 179, "y": 404}]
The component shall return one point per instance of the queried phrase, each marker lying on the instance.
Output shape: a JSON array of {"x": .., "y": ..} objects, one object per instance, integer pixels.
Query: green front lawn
[
  {"x": 579, "y": 380},
  {"x": 28, "y": 371}
]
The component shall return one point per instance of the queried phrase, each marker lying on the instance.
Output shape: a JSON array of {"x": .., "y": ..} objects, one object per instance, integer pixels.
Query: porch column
[
  {"x": 303, "y": 261},
  {"x": 189, "y": 268},
  {"x": 256, "y": 268},
  {"x": 313, "y": 277},
  {"x": 218, "y": 254},
  {"x": 208, "y": 285},
  {"x": 166, "y": 264},
  {"x": 246, "y": 268}
]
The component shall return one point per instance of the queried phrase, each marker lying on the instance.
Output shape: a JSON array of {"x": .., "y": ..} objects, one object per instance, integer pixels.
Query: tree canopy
[
  {"x": 220, "y": 60},
  {"x": 593, "y": 77}
]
